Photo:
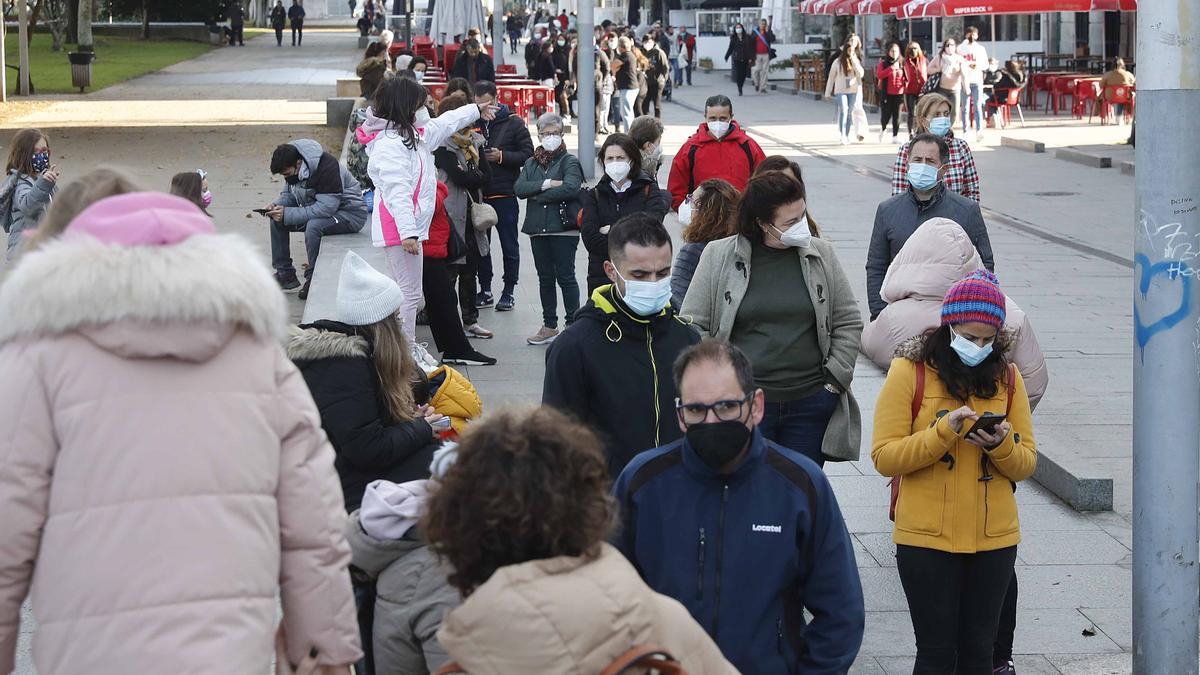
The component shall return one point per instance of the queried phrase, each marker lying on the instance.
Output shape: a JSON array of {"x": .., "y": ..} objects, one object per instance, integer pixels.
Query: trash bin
[{"x": 81, "y": 69}]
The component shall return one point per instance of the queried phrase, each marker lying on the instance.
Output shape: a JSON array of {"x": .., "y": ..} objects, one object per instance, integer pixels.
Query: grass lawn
[{"x": 117, "y": 59}]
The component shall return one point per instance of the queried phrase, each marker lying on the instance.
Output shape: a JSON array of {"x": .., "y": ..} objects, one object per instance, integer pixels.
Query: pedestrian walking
[
  {"x": 625, "y": 73},
  {"x": 646, "y": 132},
  {"x": 507, "y": 146},
  {"x": 706, "y": 215},
  {"x": 29, "y": 186},
  {"x": 550, "y": 182},
  {"x": 656, "y": 75},
  {"x": 624, "y": 188},
  {"x": 844, "y": 81},
  {"x": 803, "y": 344},
  {"x": 296, "y": 16},
  {"x": 562, "y": 76},
  {"x": 763, "y": 37},
  {"x": 237, "y": 24},
  {"x": 742, "y": 50},
  {"x": 402, "y": 168},
  {"x": 947, "y": 66},
  {"x": 916, "y": 74},
  {"x": 512, "y": 26},
  {"x": 933, "y": 116},
  {"x": 891, "y": 79},
  {"x": 961, "y": 466},
  {"x": 792, "y": 170},
  {"x": 462, "y": 169},
  {"x": 718, "y": 149},
  {"x": 238, "y": 505},
  {"x": 550, "y": 595},
  {"x": 974, "y": 63},
  {"x": 693, "y": 497},
  {"x": 278, "y": 18},
  {"x": 687, "y": 55},
  {"x": 605, "y": 89},
  {"x": 927, "y": 197},
  {"x": 193, "y": 186}
]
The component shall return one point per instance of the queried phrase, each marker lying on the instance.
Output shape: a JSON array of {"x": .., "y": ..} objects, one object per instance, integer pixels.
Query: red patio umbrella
[
  {"x": 919, "y": 9},
  {"x": 864, "y": 7}
]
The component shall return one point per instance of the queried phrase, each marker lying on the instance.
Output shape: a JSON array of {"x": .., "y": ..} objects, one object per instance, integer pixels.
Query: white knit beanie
[{"x": 365, "y": 295}]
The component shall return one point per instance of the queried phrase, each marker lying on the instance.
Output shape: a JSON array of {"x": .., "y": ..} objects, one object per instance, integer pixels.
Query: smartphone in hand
[
  {"x": 261, "y": 212},
  {"x": 987, "y": 422}
]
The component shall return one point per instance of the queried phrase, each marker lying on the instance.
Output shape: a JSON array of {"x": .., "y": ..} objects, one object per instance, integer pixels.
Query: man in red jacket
[{"x": 718, "y": 149}]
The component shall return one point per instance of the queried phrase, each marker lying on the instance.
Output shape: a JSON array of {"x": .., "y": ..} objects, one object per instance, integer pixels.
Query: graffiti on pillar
[{"x": 1164, "y": 286}]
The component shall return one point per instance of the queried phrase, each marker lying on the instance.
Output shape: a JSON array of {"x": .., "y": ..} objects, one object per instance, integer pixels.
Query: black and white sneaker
[
  {"x": 471, "y": 358},
  {"x": 484, "y": 299}
]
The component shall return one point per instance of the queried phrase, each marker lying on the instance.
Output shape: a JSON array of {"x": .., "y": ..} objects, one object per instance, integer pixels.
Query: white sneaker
[
  {"x": 845, "y": 140},
  {"x": 978, "y": 136},
  {"x": 895, "y": 139},
  {"x": 882, "y": 135},
  {"x": 423, "y": 358},
  {"x": 477, "y": 331}
]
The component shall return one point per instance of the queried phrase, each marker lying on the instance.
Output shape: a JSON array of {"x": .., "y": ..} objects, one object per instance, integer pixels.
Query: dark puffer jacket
[
  {"x": 602, "y": 206},
  {"x": 508, "y": 134},
  {"x": 336, "y": 363}
]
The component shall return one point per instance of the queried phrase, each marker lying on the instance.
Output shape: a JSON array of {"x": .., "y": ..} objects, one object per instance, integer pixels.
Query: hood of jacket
[
  {"x": 456, "y": 397},
  {"x": 607, "y": 309},
  {"x": 370, "y": 128},
  {"x": 735, "y": 134},
  {"x": 310, "y": 152},
  {"x": 325, "y": 340},
  {"x": 566, "y": 615},
  {"x": 936, "y": 256},
  {"x": 372, "y": 555},
  {"x": 182, "y": 301}
]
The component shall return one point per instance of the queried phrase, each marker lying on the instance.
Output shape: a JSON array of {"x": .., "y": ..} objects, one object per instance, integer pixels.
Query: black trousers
[
  {"x": 740, "y": 70},
  {"x": 441, "y": 308},
  {"x": 463, "y": 274},
  {"x": 1002, "y": 650},
  {"x": 954, "y": 600},
  {"x": 297, "y": 32},
  {"x": 910, "y": 103},
  {"x": 237, "y": 34},
  {"x": 889, "y": 109}
]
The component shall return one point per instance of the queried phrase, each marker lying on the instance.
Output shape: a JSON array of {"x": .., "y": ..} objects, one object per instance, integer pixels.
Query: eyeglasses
[{"x": 696, "y": 413}]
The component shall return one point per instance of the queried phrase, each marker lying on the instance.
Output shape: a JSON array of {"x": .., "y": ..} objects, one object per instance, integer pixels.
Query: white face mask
[
  {"x": 422, "y": 117},
  {"x": 612, "y": 44},
  {"x": 552, "y": 142},
  {"x": 419, "y": 75},
  {"x": 617, "y": 171},
  {"x": 718, "y": 129},
  {"x": 685, "y": 212},
  {"x": 796, "y": 236}
]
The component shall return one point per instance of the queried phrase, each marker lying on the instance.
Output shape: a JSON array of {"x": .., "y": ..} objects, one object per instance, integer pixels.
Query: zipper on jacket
[
  {"x": 700, "y": 567},
  {"x": 720, "y": 557},
  {"x": 654, "y": 373},
  {"x": 779, "y": 635}
]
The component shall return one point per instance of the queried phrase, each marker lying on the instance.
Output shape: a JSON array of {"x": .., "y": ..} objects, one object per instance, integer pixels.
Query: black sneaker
[
  {"x": 303, "y": 294},
  {"x": 484, "y": 299},
  {"x": 287, "y": 280},
  {"x": 422, "y": 318},
  {"x": 506, "y": 303},
  {"x": 471, "y": 358},
  {"x": 1005, "y": 668}
]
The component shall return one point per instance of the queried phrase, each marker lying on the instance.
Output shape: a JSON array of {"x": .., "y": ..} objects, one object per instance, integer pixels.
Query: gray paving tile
[
  {"x": 862, "y": 555},
  {"x": 880, "y": 545},
  {"x": 1058, "y": 631},
  {"x": 1074, "y": 586},
  {"x": 888, "y": 634},
  {"x": 1116, "y": 624},
  {"x": 1085, "y": 547},
  {"x": 866, "y": 519},
  {"x": 861, "y": 491},
  {"x": 866, "y": 665},
  {"x": 1053, "y": 517},
  {"x": 881, "y": 589},
  {"x": 1106, "y": 664}
]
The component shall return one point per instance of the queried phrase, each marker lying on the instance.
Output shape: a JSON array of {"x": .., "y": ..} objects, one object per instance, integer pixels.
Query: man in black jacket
[
  {"x": 897, "y": 218},
  {"x": 237, "y": 22},
  {"x": 611, "y": 368},
  {"x": 507, "y": 147},
  {"x": 473, "y": 64}
]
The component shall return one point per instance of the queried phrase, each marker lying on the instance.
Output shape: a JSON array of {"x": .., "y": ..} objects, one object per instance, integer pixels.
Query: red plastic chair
[
  {"x": 540, "y": 99},
  {"x": 449, "y": 52},
  {"x": 514, "y": 98},
  {"x": 1119, "y": 95},
  {"x": 1086, "y": 94},
  {"x": 1004, "y": 108},
  {"x": 506, "y": 69},
  {"x": 1061, "y": 87}
]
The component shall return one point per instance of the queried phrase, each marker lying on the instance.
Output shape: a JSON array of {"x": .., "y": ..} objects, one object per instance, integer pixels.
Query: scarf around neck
[
  {"x": 544, "y": 157},
  {"x": 462, "y": 139}
]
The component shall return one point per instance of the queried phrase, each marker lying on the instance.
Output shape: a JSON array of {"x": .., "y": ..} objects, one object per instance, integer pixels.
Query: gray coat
[
  {"x": 716, "y": 293},
  {"x": 897, "y": 218},
  {"x": 412, "y": 596},
  {"x": 30, "y": 197},
  {"x": 458, "y": 197},
  {"x": 329, "y": 190}
]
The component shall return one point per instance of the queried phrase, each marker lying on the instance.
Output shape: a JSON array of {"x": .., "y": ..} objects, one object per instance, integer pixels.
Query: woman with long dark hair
[
  {"x": 845, "y": 82},
  {"x": 953, "y": 426},
  {"x": 193, "y": 186},
  {"x": 741, "y": 51},
  {"x": 29, "y": 185},
  {"x": 916, "y": 74},
  {"x": 891, "y": 78}
]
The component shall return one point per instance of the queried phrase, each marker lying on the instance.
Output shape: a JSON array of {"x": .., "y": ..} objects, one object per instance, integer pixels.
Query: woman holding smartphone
[{"x": 938, "y": 433}]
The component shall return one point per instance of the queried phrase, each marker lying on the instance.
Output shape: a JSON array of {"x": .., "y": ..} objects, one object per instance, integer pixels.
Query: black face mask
[
  {"x": 717, "y": 443},
  {"x": 292, "y": 179}
]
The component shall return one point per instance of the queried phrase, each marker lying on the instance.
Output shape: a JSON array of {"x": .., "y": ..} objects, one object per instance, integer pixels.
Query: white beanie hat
[
  {"x": 365, "y": 295},
  {"x": 389, "y": 510},
  {"x": 443, "y": 458}
]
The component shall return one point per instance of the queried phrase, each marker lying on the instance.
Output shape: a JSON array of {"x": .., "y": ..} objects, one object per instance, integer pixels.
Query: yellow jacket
[
  {"x": 456, "y": 398},
  {"x": 943, "y": 504}
]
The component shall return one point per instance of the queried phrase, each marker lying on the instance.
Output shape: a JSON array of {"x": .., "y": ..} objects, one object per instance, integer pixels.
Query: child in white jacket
[{"x": 401, "y": 166}]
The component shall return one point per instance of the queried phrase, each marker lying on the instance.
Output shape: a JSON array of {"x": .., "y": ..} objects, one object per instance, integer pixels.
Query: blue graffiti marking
[{"x": 1173, "y": 270}]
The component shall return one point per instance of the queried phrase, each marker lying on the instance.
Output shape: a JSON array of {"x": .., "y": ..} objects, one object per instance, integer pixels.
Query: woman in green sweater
[
  {"x": 780, "y": 295},
  {"x": 550, "y": 180}
]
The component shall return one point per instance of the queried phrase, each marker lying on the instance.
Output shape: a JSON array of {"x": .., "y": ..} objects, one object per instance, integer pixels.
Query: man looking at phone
[{"x": 319, "y": 197}]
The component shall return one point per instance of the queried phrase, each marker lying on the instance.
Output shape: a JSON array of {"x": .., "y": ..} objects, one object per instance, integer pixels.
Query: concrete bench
[
  {"x": 348, "y": 87},
  {"x": 1022, "y": 144},
  {"x": 339, "y": 109}
]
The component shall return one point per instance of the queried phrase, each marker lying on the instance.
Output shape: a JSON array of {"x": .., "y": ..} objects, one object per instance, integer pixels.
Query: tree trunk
[
  {"x": 145, "y": 19},
  {"x": 84, "y": 29},
  {"x": 33, "y": 19}
]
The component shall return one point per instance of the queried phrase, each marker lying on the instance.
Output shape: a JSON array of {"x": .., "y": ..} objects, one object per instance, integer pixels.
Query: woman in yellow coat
[{"x": 956, "y": 528}]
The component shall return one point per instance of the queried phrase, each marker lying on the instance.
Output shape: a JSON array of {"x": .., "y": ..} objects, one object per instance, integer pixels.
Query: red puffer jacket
[
  {"x": 732, "y": 158},
  {"x": 916, "y": 73},
  {"x": 437, "y": 246},
  {"x": 891, "y": 78}
]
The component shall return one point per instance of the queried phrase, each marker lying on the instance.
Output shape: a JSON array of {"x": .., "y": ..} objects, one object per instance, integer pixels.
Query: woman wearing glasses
[{"x": 781, "y": 296}]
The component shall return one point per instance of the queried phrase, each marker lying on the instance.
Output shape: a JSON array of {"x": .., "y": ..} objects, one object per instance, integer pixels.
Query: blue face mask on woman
[
  {"x": 922, "y": 176},
  {"x": 968, "y": 352},
  {"x": 940, "y": 126}
]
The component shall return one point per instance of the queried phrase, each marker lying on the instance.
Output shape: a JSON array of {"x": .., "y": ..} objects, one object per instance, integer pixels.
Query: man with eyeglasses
[{"x": 744, "y": 533}]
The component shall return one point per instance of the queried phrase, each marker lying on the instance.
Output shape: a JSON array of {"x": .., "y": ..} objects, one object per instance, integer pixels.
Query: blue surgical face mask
[
  {"x": 922, "y": 176},
  {"x": 646, "y": 298},
  {"x": 940, "y": 126},
  {"x": 968, "y": 352}
]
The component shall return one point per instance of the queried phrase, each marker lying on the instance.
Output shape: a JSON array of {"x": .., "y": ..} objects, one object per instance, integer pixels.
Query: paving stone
[
  {"x": 1058, "y": 631},
  {"x": 1106, "y": 664},
  {"x": 880, "y": 544},
  {"x": 1053, "y": 517},
  {"x": 881, "y": 589},
  {"x": 1116, "y": 624},
  {"x": 1087, "y": 547},
  {"x": 1074, "y": 586},
  {"x": 861, "y": 491},
  {"x": 888, "y": 634},
  {"x": 866, "y": 665}
]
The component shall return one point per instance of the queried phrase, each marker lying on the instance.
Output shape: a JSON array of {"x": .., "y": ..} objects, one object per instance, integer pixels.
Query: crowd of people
[{"x": 668, "y": 495}]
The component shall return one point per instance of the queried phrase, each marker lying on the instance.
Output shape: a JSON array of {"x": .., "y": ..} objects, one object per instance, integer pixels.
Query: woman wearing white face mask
[
  {"x": 782, "y": 297},
  {"x": 625, "y": 188},
  {"x": 708, "y": 214},
  {"x": 550, "y": 181}
]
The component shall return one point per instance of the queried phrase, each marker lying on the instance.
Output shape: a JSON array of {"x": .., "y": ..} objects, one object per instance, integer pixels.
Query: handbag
[
  {"x": 932, "y": 84},
  {"x": 483, "y": 216}
]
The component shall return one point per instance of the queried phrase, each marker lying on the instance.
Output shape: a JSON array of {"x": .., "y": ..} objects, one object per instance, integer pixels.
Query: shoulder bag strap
[
  {"x": 645, "y": 656},
  {"x": 692, "y": 168}
]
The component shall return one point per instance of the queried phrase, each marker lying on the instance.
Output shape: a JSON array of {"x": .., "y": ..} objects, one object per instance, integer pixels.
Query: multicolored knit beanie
[{"x": 975, "y": 298}]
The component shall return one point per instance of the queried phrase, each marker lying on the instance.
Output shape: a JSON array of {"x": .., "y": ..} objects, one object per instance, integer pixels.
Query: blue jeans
[
  {"x": 364, "y": 602},
  {"x": 846, "y": 105},
  {"x": 676, "y": 72},
  {"x": 509, "y": 212},
  {"x": 281, "y": 238},
  {"x": 976, "y": 104},
  {"x": 628, "y": 97},
  {"x": 800, "y": 425}
]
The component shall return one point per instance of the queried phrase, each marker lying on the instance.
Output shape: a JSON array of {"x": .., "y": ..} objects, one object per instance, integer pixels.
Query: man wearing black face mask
[{"x": 745, "y": 533}]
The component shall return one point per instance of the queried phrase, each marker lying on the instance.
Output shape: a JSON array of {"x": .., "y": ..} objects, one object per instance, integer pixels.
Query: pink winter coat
[
  {"x": 163, "y": 472},
  {"x": 938, "y": 254}
]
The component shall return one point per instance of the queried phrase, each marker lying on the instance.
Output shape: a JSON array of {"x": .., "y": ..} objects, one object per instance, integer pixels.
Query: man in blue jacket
[{"x": 745, "y": 533}]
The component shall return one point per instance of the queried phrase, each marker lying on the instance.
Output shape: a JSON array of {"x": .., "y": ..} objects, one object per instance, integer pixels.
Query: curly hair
[
  {"x": 963, "y": 381},
  {"x": 714, "y": 212},
  {"x": 529, "y": 484}
]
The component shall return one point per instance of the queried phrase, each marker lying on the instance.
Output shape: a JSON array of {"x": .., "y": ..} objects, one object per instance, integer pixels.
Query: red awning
[
  {"x": 917, "y": 9},
  {"x": 863, "y": 7},
  {"x": 825, "y": 7},
  {"x": 1114, "y": 5}
]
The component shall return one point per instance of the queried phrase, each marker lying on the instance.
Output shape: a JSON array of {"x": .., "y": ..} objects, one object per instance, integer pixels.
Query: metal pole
[
  {"x": 23, "y": 47},
  {"x": 1166, "y": 372},
  {"x": 586, "y": 93},
  {"x": 498, "y": 32},
  {"x": 3, "y": 63}
]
